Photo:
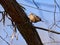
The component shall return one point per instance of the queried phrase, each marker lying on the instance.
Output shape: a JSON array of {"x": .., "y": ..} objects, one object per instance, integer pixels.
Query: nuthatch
[{"x": 33, "y": 18}]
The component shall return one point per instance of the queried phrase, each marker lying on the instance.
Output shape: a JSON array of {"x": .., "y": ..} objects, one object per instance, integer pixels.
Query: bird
[{"x": 34, "y": 18}]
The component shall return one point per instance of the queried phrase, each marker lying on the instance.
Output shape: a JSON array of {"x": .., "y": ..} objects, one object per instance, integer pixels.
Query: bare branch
[
  {"x": 54, "y": 12},
  {"x": 47, "y": 30},
  {"x": 35, "y": 4},
  {"x": 39, "y": 8},
  {"x": 57, "y": 5},
  {"x": 4, "y": 40}
]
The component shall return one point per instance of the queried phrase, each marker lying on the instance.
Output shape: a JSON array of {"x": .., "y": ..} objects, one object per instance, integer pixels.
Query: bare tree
[{"x": 20, "y": 21}]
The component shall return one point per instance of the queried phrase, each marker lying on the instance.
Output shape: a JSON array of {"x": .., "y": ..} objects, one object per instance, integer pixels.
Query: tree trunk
[{"x": 23, "y": 24}]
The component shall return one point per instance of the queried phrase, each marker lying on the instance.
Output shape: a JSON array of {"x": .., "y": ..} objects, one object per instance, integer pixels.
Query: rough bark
[{"x": 24, "y": 26}]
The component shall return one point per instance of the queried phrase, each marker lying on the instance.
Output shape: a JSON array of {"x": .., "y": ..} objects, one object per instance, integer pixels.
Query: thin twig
[
  {"x": 57, "y": 5},
  {"x": 54, "y": 15},
  {"x": 35, "y": 4},
  {"x": 4, "y": 40},
  {"x": 38, "y": 9},
  {"x": 6, "y": 33},
  {"x": 54, "y": 12},
  {"x": 47, "y": 30}
]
